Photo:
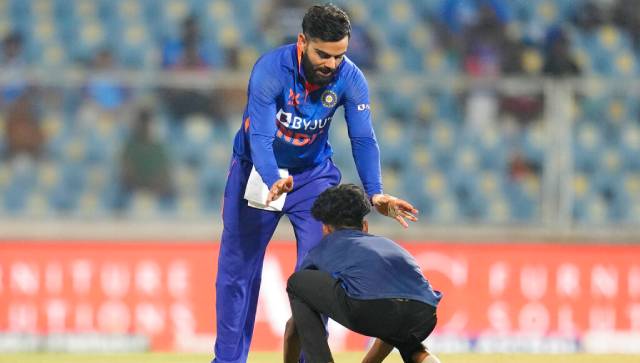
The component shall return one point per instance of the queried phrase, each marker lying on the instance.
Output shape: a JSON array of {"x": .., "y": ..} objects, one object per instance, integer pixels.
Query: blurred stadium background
[{"x": 513, "y": 125}]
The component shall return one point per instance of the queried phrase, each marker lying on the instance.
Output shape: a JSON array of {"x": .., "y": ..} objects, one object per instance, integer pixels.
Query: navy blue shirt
[
  {"x": 371, "y": 267},
  {"x": 286, "y": 120}
]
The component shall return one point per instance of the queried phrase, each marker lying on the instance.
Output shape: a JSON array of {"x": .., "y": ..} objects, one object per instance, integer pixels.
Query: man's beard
[{"x": 312, "y": 73}]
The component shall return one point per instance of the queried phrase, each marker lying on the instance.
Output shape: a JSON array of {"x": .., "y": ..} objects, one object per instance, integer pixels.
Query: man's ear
[
  {"x": 326, "y": 229},
  {"x": 302, "y": 41},
  {"x": 365, "y": 226}
]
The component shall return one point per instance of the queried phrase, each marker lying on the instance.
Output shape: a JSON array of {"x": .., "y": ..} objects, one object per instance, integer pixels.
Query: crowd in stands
[{"x": 107, "y": 148}]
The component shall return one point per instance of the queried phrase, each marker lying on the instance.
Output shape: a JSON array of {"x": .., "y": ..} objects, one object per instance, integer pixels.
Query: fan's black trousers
[{"x": 400, "y": 322}]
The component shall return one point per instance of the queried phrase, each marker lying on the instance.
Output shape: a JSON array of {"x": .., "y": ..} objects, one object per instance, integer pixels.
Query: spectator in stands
[
  {"x": 461, "y": 14},
  {"x": 281, "y": 21},
  {"x": 190, "y": 51},
  {"x": 145, "y": 164},
  {"x": 458, "y": 16},
  {"x": 12, "y": 49},
  {"x": 558, "y": 59},
  {"x": 520, "y": 107},
  {"x": 520, "y": 168},
  {"x": 590, "y": 16},
  {"x": 189, "y": 55},
  {"x": 13, "y": 64},
  {"x": 24, "y": 136},
  {"x": 362, "y": 48},
  {"x": 627, "y": 16},
  {"x": 104, "y": 95},
  {"x": 103, "y": 88},
  {"x": 484, "y": 43}
]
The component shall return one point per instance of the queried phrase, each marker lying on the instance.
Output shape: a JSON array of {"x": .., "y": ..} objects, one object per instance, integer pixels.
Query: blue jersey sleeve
[
  {"x": 264, "y": 86},
  {"x": 364, "y": 145}
]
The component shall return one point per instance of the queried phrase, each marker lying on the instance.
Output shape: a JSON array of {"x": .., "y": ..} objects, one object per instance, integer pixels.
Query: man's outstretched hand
[
  {"x": 284, "y": 185},
  {"x": 395, "y": 208}
]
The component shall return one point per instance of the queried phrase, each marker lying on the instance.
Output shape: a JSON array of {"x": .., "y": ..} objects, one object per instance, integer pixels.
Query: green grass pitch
[{"x": 275, "y": 357}]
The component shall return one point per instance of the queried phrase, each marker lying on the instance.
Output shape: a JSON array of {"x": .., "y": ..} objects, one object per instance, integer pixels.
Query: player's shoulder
[
  {"x": 350, "y": 69},
  {"x": 351, "y": 72},
  {"x": 276, "y": 61}
]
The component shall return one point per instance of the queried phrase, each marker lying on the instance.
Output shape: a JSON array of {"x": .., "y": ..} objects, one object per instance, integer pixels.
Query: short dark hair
[
  {"x": 342, "y": 206},
  {"x": 326, "y": 22}
]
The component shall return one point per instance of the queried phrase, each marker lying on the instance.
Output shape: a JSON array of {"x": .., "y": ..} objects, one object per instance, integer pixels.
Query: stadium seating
[{"x": 428, "y": 153}]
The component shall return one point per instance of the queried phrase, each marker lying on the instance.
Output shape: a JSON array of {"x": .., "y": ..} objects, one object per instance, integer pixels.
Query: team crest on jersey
[{"x": 329, "y": 98}]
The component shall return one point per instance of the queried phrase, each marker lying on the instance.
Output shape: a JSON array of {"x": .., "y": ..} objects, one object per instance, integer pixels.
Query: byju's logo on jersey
[
  {"x": 284, "y": 117},
  {"x": 288, "y": 120},
  {"x": 289, "y": 125},
  {"x": 329, "y": 98}
]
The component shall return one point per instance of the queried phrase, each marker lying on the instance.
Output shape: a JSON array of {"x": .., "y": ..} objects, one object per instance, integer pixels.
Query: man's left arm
[
  {"x": 364, "y": 145},
  {"x": 366, "y": 152}
]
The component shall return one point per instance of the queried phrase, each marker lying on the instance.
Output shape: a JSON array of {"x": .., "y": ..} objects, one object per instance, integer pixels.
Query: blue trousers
[{"x": 245, "y": 236}]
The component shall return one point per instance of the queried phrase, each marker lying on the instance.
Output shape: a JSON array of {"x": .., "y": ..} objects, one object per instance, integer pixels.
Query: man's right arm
[{"x": 264, "y": 88}]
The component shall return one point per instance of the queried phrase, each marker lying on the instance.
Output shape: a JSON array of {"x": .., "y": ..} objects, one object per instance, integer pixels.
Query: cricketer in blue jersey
[
  {"x": 293, "y": 94},
  {"x": 367, "y": 283}
]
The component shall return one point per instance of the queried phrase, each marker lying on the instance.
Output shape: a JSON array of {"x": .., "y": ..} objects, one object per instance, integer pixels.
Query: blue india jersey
[{"x": 286, "y": 121}]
